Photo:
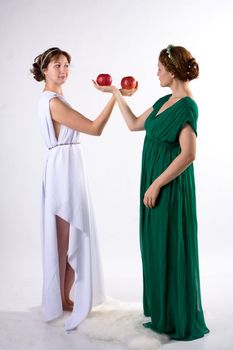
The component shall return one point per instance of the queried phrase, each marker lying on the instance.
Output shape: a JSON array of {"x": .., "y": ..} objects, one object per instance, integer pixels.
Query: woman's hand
[
  {"x": 109, "y": 88},
  {"x": 128, "y": 92},
  {"x": 151, "y": 195}
]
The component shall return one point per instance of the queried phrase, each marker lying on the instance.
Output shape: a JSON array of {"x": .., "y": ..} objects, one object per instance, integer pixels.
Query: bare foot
[
  {"x": 67, "y": 307},
  {"x": 69, "y": 302}
]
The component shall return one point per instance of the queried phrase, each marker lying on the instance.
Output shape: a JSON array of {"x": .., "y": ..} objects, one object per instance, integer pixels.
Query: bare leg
[
  {"x": 66, "y": 272},
  {"x": 69, "y": 281}
]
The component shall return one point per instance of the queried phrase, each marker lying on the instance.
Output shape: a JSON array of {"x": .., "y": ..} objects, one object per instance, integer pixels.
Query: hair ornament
[
  {"x": 169, "y": 55},
  {"x": 44, "y": 59}
]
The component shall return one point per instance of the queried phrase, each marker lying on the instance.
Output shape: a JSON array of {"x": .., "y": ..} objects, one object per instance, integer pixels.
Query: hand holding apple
[
  {"x": 109, "y": 88},
  {"x": 129, "y": 86}
]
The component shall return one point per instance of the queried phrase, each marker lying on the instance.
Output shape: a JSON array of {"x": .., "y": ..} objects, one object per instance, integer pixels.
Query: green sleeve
[{"x": 190, "y": 116}]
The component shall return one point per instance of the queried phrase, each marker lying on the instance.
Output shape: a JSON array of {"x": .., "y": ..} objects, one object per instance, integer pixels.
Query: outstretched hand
[{"x": 111, "y": 88}]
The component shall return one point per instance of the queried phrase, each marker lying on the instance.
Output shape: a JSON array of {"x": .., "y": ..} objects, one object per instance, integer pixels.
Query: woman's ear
[{"x": 45, "y": 70}]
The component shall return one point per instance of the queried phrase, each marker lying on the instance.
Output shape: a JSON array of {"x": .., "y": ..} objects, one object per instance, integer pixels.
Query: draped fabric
[
  {"x": 168, "y": 232},
  {"x": 65, "y": 194}
]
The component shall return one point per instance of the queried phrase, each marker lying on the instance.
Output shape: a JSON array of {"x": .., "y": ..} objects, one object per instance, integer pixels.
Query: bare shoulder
[
  {"x": 60, "y": 109},
  {"x": 56, "y": 102}
]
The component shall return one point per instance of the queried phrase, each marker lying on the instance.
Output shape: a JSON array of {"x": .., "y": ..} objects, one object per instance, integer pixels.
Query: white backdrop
[{"x": 121, "y": 38}]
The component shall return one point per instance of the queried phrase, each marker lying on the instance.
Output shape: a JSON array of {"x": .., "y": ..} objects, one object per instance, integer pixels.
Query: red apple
[
  {"x": 128, "y": 83},
  {"x": 104, "y": 79}
]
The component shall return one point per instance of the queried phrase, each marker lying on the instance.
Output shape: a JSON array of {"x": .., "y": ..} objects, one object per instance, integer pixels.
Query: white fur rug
[{"x": 122, "y": 322}]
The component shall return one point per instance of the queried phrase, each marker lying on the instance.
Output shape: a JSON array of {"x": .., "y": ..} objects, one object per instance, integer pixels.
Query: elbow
[
  {"x": 193, "y": 157},
  {"x": 134, "y": 125},
  {"x": 190, "y": 157},
  {"x": 131, "y": 128},
  {"x": 96, "y": 132}
]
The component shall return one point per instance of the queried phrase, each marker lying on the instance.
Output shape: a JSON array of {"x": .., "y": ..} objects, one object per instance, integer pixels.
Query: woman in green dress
[{"x": 168, "y": 221}]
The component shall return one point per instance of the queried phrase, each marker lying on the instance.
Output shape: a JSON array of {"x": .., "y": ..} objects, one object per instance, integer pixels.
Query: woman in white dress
[{"x": 69, "y": 244}]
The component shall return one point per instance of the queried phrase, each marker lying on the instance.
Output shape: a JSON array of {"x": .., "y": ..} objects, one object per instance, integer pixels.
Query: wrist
[
  {"x": 113, "y": 98},
  {"x": 114, "y": 90},
  {"x": 117, "y": 92},
  {"x": 158, "y": 183}
]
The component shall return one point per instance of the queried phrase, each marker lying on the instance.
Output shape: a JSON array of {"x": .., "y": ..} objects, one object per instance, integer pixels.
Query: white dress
[{"x": 65, "y": 194}]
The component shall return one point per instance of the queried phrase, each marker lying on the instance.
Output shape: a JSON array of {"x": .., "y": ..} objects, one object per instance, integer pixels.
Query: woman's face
[
  {"x": 57, "y": 70},
  {"x": 165, "y": 77}
]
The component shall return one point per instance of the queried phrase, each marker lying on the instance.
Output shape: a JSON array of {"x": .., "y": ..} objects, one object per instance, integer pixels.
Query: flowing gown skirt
[
  {"x": 168, "y": 232},
  {"x": 65, "y": 194}
]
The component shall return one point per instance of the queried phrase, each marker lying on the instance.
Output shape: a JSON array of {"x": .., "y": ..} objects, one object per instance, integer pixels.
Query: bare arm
[
  {"x": 187, "y": 155},
  {"x": 64, "y": 114},
  {"x": 133, "y": 122}
]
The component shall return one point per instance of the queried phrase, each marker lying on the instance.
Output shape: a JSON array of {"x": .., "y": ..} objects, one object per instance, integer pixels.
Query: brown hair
[
  {"x": 180, "y": 62},
  {"x": 42, "y": 61}
]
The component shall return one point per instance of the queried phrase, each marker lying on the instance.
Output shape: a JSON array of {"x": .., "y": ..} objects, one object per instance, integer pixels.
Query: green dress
[{"x": 168, "y": 232}]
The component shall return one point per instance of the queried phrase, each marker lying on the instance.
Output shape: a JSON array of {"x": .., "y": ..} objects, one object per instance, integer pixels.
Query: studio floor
[{"x": 21, "y": 327}]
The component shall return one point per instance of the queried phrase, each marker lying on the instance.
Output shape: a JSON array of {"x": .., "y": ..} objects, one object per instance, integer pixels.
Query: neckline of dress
[
  {"x": 182, "y": 98},
  {"x": 52, "y": 92}
]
